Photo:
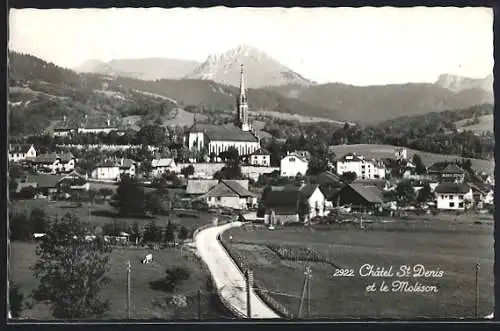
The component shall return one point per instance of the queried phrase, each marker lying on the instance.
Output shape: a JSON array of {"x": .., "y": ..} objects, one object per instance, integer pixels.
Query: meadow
[
  {"x": 146, "y": 303},
  {"x": 387, "y": 151},
  {"x": 101, "y": 214},
  {"x": 449, "y": 244},
  {"x": 485, "y": 124}
]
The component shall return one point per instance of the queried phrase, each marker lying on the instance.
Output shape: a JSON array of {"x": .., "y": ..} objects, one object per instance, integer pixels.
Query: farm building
[
  {"x": 313, "y": 196},
  {"x": 112, "y": 170},
  {"x": 198, "y": 187},
  {"x": 230, "y": 194},
  {"x": 381, "y": 184},
  {"x": 453, "y": 196},
  {"x": 46, "y": 184},
  {"x": 360, "y": 197},
  {"x": 281, "y": 206}
]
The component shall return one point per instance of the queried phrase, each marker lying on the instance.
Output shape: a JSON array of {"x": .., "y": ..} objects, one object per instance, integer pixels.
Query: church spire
[
  {"x": 242, "y": 81},
  {"x": 242, "y": 105}
]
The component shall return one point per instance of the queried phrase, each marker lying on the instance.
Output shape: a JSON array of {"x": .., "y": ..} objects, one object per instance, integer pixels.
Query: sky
[{"x": 359, "y": 46}]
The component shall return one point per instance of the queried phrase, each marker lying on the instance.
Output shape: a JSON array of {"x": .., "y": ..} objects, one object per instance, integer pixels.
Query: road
[{"x": 229, "y": 280}]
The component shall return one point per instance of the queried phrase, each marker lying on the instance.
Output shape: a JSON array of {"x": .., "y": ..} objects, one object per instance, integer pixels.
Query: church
[{"x": 219, "y": 138}]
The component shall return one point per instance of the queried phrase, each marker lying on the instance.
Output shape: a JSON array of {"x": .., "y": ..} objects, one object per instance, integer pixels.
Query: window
[
  {"x": 450, "y": 197},
  {"x": 442, "y": 196},
  {"x": 461, "y": 205},
  {"x": 218, "y": 199},
  {"x": 292, "y": 159},
  {"x": 461, "y": 197},
  {"x": 452, "y": 204}
]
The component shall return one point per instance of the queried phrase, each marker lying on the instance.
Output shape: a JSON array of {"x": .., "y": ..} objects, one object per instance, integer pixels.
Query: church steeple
[{"x": 242, "y": 105}]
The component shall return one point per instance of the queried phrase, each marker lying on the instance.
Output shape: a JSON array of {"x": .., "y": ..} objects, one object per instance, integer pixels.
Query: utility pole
[
  {"x": 129, "y": 269},
  {"x": 307, "y": 274},
  {"x": 476, "y": 307},
  {"x": 199, "y": 304},
  {"x": 249, "y": 286}
]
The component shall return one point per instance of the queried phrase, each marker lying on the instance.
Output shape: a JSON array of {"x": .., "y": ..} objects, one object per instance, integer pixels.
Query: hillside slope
[
  {"x": 147, "y": 69},
  {"x": 374, "y": 104}
]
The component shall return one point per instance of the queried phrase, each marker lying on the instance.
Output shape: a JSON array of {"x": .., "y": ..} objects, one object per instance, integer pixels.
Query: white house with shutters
[
  {"x": 363, "y": 168},
  {"x": 453, "y": 196},
  {"x": 293, "y": 164}
]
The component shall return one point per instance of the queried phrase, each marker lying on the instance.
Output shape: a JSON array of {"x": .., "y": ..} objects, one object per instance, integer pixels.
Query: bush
[
  {"x": 28, "y": 192},
  {"x": 16, "y": 298},
  {"x": 173, "y": 277}
]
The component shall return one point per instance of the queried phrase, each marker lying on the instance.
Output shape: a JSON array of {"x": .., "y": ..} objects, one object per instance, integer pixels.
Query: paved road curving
[{"x": 229, "y": 280}]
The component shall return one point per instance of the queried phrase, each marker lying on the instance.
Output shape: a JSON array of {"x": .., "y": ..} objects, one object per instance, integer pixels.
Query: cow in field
[
  {"x": 147, "y": 259},
  {"x": 38, "y": 235}
]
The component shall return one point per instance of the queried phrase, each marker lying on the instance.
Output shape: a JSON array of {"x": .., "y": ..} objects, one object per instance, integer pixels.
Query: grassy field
[
  {"x": 440, "y": 242},
  {"x": 100, "y": 214},
  {"x": 146, "y": 302},
  {"x": 387, "y": 151},
  {"x": 485, "y": 124}
]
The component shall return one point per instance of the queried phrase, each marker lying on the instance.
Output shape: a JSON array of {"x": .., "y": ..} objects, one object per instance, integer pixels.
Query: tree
[
  {"x": 106, "y": 192},
  {"x": 39, "y": 220},
  {"x": 183, "y": 233},
  {"x": 152, "y": 233},
  {"x": 348, "y": 176},
  {"x": 71, "y": 270},
  {"x": 169, "y": 232},
  {"x": 20, "y": 227},
  {"x": 16, "y": 298},
  {"x": 425, "y": 194},
  {"x": 129, "y": 198},
  {"x": 405, "y": 192},
  {"x": 135, "y": 232},
  {"x": 419, "y": 165},
  {"x": 187, "y": 171}
]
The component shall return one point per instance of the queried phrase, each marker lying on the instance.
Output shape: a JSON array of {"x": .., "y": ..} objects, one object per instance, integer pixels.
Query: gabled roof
[
  {"x": 284, "y": 199},
  {"x": 107, "y": 164},
  {"x": 380, "y": 183},
  {"x": 239, "y": 186},
  {"x": 370, "y": 194},
  {"x": 452, "y": 188},
  {"x": 229, "y": 189},
  {"x": 307, "y": 190},
  {"x": 165, "y": 162},
  {"x": 351, "y": 157},
  {"x": 224, "y": 133},
  {"x": 44, "y": 181},
  {"x": 261, "y": 151},
  {"x": 51, "y": 157},
  {"x": 328, "y": 177},
  {"x": 200, "y": 186},
  {"x": 452, "y": 168},
  {"x": 298, "y": 156}
]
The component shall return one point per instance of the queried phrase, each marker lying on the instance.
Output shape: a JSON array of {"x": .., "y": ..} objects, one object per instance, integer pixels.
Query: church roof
[{"x": 224, "y": 133}]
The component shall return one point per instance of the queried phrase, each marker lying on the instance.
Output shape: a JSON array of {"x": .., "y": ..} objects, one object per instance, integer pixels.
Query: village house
[
  {"x": 401, "y": 153},
  {"x": 97, "y": 125},
  {"x": 364, "y": 169},
  {"x": 313, "y": 197},
  {"x": 21, "y": 152},
  {"x": 54, "y": 163},
  {"x": 46, "y": 185},
  {"x": 293, "y": 164},
  {"x": 197, "y": 187},
  {"x": 447, "y": 172},
  {"x": 161, "y": 166},
  {"x": 232, "y": 194},
  {"x": 113, "y": 170},
  {"x": 329, "y": 183},
  {"x": 261, "y": 158},
  {"x": 381, "y": 184},
  {"x": 281, "y": 206},
  {"x": 360, "y": 197},
  {"x": 453, "y": 196}
]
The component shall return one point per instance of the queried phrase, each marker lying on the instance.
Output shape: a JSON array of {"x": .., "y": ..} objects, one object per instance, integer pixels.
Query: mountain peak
[
  {"x": 262, "y": 69},
  {"x": 457, "y": 83}
]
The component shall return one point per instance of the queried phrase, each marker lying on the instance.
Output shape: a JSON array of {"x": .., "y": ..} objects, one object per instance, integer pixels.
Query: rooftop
[
  {"x": 224, "y": 133},
  {"x": 369, "y": 193},
  {"x": 452, "y": 188}
]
